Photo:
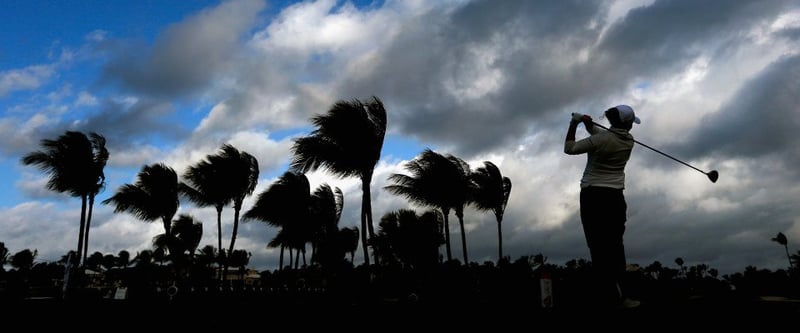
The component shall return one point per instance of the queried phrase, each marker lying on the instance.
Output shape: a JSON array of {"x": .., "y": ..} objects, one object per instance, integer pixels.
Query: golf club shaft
[{"x": 656, "y": 150}]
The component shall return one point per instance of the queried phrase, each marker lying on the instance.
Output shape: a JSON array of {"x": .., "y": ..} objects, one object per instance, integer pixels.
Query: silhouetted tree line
[
  {"x": 404, "y": 264},
  {"x": 149, "y": 278}
]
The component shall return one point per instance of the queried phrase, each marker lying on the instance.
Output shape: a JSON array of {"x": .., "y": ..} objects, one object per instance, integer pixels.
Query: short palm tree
[
  {"x": 23, "y": 260},
  {"x": 153, "y": 197},
  {"x": 347, "y": 142},
  {"x": 410, "y": 239},
  {"x": 491, "y": 193},
  {"x": 285, "y": 204},
  {"x": 325, "y": 206},
  {"x": 348, "y": 240},
  {"x": 189, "y": 232},
  {"x": 75, "y": 164}
]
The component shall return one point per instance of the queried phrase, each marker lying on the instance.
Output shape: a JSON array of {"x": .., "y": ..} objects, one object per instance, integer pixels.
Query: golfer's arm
[
  {"x": 569, "y": 141},
  {"x": 591, "y": 128}
]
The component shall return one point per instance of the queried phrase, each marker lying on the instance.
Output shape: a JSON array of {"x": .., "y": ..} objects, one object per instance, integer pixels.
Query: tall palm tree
[
  {"x": 100, "y": 159},
  {"x": 436, "y": 181},
  {"x": 491, "y": 193},
  {"x": 205, "y": 185},
  {"x": 153, "y": 197},
  {"x": 347, "y": 142},
  {"x": 75, "y": 165},
  {"x": 240, "y": 171},
  {"x": 285, "y": 205},
  {"x": 460, "y": 194},
  {"x": 781, "y": 239}
]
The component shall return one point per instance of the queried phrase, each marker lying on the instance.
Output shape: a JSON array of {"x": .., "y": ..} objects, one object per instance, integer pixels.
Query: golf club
[{"x": 712, "y": 175}]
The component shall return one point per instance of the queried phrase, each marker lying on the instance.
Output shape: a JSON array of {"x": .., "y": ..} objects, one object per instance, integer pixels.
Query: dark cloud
[
  {"x": 127, "y": 125},
  {"x": 760, "y": 121},
  {"x": 188, "y": 55},
  {"x": 437, "y": 53},
  {"x": 534, "y": 49}
]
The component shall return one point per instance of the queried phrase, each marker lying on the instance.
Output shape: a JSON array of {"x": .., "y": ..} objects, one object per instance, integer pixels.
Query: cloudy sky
[{"x": 716, "y": 84}]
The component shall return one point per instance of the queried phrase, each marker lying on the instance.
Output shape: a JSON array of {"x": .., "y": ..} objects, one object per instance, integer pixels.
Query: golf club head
[{"x": 713, "y": 175}]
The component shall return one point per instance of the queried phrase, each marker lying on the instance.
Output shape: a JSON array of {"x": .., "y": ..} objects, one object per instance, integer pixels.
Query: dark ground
[{"x": 264, "y": 313}]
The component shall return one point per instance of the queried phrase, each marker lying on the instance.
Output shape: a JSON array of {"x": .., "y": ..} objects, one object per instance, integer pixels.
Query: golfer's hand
[{"x": 579, "y": 117}]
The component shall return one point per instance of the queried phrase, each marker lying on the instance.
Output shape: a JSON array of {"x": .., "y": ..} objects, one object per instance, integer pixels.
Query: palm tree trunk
[
  {"x": 88, "y": 227},
  {"x": 235, "y": 229},
  {"x": 499, "y": 239},
  {"x": 81, "y": 231},
  {"x": 367, "y": 202},
  {"x": 445, "y": 213},
  {"x": 280, "y": 260},
  {"x": 233, "y": 233},
  {"x": 463, "y": 237},
  {"x": 365, "y": 205},
  {"x": 786, "y": 246},
  {"x": 219, "y": 241}
]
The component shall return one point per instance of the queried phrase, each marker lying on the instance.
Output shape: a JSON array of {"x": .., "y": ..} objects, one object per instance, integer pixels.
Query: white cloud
[{"x": 28, "y": 78}]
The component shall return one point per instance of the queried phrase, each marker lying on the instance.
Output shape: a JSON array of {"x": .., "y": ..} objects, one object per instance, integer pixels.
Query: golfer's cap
[{"x": 626, "y": 114}]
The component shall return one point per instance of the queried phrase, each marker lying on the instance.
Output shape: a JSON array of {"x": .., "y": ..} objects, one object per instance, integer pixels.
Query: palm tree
[
  {"x": 240, "y": 171},
  {"x": 206, "y": 256},
  {"x": 3, "y": 256},
  {"x": 325, "y": 211},
  {"x": 100, "y": 158},
  {"x": 461, "y": 189},
  {"x": 492, "y": 192},
  {"x": 410, "y": 239},
  {"x": 205, "y": 185},
  {"x": 782, "y": 240},
  {"x": 95, "y": 261},
  {"x": 188, "y": 232},
  {"x": 180, "y": 245},
  {"x": 348, "y": 240},
  {"x": 229, "y": 176},
  {"x": 123, "y": 258},
  {"x": 285, "y": 204},
  {"x": 281, "y": 241},
  {"x": 240, "y": 259},
  {"x": 75, "y": 165},
  {"x": 433, "y": 182},
  {"x": 347, "y": 142},
  {"x": 679, "y": 262},
  {"x": 153, "y": 197},
  {"x": 23, "y": 260}
]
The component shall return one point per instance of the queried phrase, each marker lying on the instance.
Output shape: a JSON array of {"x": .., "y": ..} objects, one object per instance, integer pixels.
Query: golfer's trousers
[{"x": 603, "y": 215}]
